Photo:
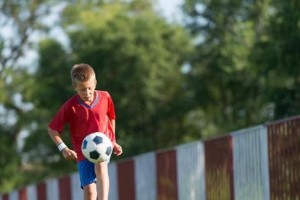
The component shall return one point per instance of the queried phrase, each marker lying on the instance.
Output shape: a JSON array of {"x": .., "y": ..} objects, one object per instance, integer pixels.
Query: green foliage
[
  {"x": 13, "y": 118},
  {"x": 9, "y": 162},
  {"x": 225, "y": 86},
  {"x": 279, "y": 63},
  {"x": 246, "y": 64},
  {"x": 19, "y": 20},
  {"x": 53, "y": 76}
]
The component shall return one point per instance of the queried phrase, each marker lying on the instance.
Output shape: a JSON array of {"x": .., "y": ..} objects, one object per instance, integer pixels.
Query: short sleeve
[
  {"x": 110, "y": 108},
  {"x": 60, "y": 119}
]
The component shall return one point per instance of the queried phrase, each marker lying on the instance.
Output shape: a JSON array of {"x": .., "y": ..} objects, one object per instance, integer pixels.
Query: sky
[{"x": 170, "y": 9}]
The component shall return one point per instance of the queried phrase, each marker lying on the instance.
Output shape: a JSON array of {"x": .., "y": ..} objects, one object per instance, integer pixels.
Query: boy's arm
[
  {"x": 67, "y": 153},
  {"x": 117, "y": 148},
  {"x": 113, "y": 125},
  {"x": 55, "y": 136}
]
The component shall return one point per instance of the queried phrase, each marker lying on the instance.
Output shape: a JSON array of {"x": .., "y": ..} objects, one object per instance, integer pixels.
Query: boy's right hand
[
  {"x": 117, "y": 149},
  {"x": 69, "y": 154}
]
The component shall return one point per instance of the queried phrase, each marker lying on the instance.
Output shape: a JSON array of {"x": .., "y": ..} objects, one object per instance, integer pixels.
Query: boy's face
[{"x": 86, "y": 90}]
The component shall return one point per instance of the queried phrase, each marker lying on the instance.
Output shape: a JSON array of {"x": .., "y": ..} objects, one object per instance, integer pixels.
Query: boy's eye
[{"x": 85, "y": 89}]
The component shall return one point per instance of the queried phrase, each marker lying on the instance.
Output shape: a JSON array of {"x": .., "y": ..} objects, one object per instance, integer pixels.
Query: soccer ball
[{"x": 96, "y": 147}]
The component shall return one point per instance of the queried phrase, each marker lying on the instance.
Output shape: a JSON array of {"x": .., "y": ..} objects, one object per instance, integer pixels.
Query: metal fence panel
[
  {"x": 250, "y": 164},
  {"x": 218, "y": 168},
  {"x": 31, "y": 192},
  {"x": 76, "y": 191},
  {"x": 113, "y": 179},
  {"x": 41, "y": 191},
  {"x": 145, "y": 176},
  {"x": 126, "y": 180},
  {"x": 13, "y": 195},
  {"x": 166, "y": 171},
  {"x": 284, "y": 159},
  {"x": 64, "y": 184},
  {"x": 22, "y": 194},
  {"x": 52, "y": 189},
  {"x": 5, "y": 196},
  {"x": 190, "y": 171}
]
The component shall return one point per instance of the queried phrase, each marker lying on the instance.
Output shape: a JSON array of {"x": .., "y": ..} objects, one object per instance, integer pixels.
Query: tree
[
  {"x": 224, "y": 84},
  {"x": 54, "y": 88},
  {"x": 278, "y": 59},
  {"x": 20, "y": 22}
]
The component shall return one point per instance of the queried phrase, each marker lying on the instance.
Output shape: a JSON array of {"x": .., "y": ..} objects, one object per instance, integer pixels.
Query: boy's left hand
[
  {"x": 69, "y": 154},
  {"x": 117, "y": 149}
]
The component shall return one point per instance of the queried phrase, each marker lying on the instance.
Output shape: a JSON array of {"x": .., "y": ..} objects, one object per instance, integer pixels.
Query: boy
[{"x": 86, "y": 112}]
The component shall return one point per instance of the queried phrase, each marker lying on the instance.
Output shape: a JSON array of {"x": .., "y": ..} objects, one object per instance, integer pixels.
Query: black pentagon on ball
[
  {"x": 108, "y": 151},
  {"x": 98, "y": 140},
  {"x": 94, "y": 154},
  {"x": 84, "y": 144}
]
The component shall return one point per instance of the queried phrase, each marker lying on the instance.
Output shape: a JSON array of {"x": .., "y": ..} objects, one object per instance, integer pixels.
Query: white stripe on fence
[
  {"x": 191, "y": 171},
  {"x": 14, "y": 195},
  {"x": 250, "y": 164},
  {"x": 113, "y": 178},
  {"x": 265, "y": 178},
  {"x": 76, "y": 191},
  {"x": 145, "y": 177},
  {"x": 31, "y": 192},
  {"x": 52, "y": 189}
]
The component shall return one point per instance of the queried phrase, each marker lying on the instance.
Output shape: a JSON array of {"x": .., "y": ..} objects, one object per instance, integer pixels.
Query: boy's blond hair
[{"x": 81, "y": 73}]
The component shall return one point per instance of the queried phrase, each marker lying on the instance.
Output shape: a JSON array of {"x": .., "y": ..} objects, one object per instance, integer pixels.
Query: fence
[{"x": 257, "y": 163}]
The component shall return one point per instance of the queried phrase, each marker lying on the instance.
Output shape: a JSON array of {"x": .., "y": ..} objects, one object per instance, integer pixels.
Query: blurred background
[{"x": 178, "y": 71}]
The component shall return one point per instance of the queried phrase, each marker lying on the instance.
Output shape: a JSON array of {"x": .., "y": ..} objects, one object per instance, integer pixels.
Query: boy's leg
[
  {"x": 90, "y": 192},
  {"x": 101, "y": 170},
  {"x": 87, "y": 179}
]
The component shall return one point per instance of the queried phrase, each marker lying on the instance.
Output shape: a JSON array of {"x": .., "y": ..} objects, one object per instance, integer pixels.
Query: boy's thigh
[{"x": 86, "y": 172}]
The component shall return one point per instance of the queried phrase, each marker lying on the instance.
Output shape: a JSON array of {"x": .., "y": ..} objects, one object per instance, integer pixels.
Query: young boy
[{"x": 86, "y": 112}]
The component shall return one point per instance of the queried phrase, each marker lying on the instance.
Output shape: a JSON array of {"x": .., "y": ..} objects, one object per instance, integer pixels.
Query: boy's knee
[
  {"x": 101, "y": 168},
  {"x": 90, "y": 191}
]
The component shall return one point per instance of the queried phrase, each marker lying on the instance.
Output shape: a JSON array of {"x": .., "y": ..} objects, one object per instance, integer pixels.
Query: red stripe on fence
[
  {"x": 65, "y": 188},
  {"x": 218, "y": 169},
  {"x": 284, "y": 160},
  {"x": 126, "y": 180},
  {"x": 41, "y": 191},
  {"x": 5, "y": 197},
  {"x": 23, "y": 194},
  {"x": 166, "y": 173}
]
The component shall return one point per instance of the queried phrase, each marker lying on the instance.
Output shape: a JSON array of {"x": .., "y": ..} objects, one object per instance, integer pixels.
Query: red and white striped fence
[{"x": 260, "y": 163}]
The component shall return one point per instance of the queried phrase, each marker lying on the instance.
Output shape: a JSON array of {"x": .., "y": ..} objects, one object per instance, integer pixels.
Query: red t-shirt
[{"x": 84, "y": 119}]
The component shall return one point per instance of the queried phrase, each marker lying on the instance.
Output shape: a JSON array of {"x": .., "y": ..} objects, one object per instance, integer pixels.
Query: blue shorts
[{"x": 86, "y": 171}]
